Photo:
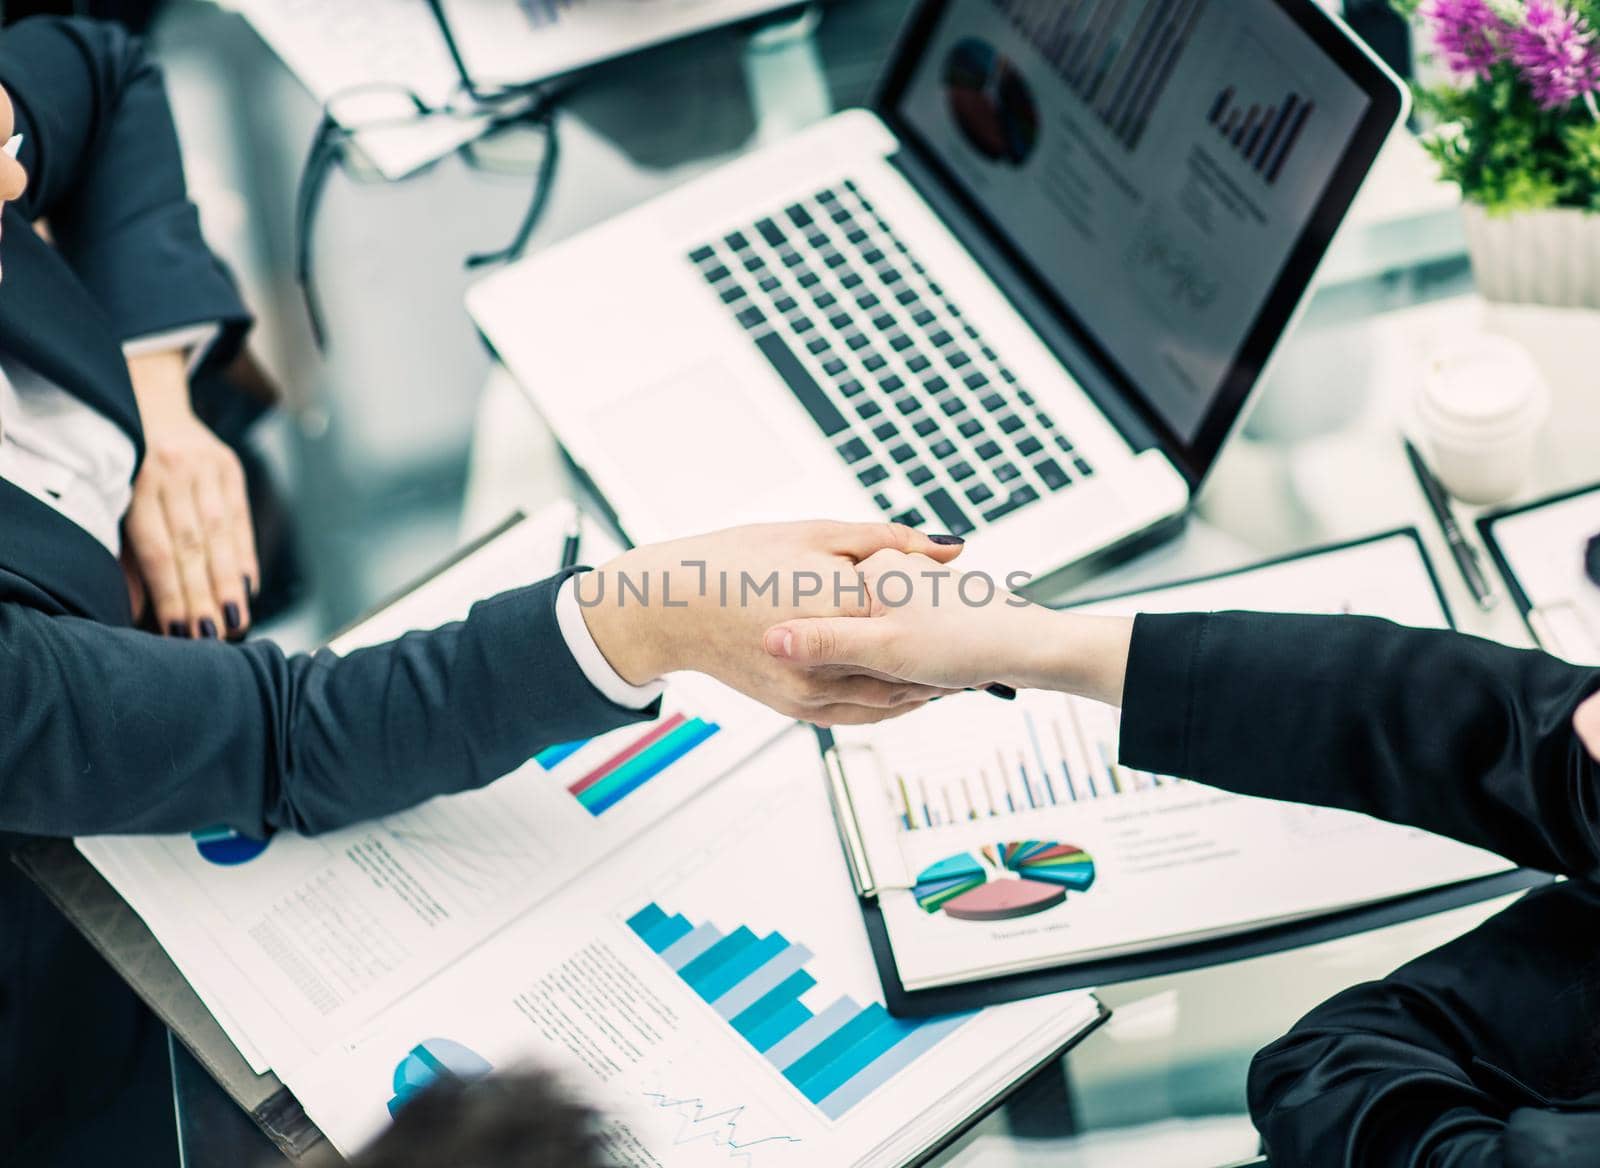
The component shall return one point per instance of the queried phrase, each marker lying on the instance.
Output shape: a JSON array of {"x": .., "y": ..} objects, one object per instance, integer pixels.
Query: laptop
[{"x": 1023, "y": 299}]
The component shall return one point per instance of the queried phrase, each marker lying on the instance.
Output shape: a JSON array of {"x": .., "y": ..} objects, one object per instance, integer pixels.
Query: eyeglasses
[{"x": 380, "y": 109}]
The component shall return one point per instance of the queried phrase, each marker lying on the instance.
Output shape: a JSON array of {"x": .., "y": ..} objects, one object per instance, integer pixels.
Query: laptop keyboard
[{"x": 915, "y": 401}]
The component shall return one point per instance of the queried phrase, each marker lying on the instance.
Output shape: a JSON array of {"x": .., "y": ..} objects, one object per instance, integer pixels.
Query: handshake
[{"x": 839, "y": 623}]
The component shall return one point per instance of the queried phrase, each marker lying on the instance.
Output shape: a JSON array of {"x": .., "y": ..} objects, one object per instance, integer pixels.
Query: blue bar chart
[{"x": 835, "y": 1056}]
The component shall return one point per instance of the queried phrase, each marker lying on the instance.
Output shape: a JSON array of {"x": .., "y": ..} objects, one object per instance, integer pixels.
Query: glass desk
[{"x": 1163, "y": 1083}]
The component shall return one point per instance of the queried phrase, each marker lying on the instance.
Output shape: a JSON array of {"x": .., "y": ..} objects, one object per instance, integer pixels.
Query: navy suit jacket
[
  {"x": 1486, "y": 1053},
  {"x": 107, "y": 729}
]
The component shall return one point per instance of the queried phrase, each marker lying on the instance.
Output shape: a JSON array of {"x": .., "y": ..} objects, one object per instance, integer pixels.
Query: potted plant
[{"x": 1517, "y": 127}]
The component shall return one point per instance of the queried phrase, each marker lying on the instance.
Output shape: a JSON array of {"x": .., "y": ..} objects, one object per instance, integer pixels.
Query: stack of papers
[{"x": 662, "y": 913}]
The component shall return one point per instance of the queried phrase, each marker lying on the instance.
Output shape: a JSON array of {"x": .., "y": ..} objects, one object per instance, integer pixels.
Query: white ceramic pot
[{"x": 1536, "y": 257}]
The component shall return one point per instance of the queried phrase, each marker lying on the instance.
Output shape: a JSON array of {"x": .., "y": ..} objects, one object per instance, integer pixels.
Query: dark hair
[{"x": 520, "y": 1119}]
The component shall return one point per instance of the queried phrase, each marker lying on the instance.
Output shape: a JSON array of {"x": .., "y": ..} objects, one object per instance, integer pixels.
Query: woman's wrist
[
  {"x": 160, "y": 386},
  {"x": 1069, "y": 652}
]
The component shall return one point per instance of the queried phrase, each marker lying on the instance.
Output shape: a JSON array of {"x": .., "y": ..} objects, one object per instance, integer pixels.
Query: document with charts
[
  {"x": 709, "y": 989},
  {"x": 295, "y": 940},
  {"x": 1541, "y": 550},
  {"x": 1006, "y": 837}
]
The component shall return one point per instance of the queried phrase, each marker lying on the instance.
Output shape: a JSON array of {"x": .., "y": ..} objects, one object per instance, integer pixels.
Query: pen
[
  {"x": 569, "y": 549},
  {"x": 12, "y": 146},
  {"x": 1466, "y": 556}
]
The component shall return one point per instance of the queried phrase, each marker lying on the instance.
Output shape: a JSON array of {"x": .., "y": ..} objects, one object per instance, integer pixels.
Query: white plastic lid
[{"x": 1482, "y": 387}]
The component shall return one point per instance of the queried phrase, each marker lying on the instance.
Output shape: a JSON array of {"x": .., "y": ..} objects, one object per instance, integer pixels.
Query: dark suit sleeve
[
  {"x": 112, "y": 730},
  {"x": 1435, "y": 729},
  {"x": 1460, "y": 1059},
  {"x": 105, "y": 172}
]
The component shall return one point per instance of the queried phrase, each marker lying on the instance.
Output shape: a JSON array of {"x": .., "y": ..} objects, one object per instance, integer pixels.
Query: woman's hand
[
  {"x": 704, "y": 604},
  {"x": 932, "y": 625},
  {"x": 188, "y": 530}
]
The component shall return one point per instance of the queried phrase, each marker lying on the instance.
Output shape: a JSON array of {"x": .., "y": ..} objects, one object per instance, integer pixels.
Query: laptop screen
[{"x": 1155, "y": 162}]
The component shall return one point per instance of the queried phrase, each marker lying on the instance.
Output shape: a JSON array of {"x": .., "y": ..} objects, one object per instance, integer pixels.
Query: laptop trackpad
[{"x": 702, "y": 439}]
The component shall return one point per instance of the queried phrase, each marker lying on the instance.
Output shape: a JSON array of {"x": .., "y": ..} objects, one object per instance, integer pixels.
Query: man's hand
[
  {"x": 931, "y": 625},
  {"x": 704, "y": 604},
  {"x": 188, "y": 530}
]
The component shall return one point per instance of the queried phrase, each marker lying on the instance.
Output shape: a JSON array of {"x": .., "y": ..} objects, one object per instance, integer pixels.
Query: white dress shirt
[
  {"x": 64, "y": 453},
  {"x": 71, "y": 457},
  {"x": 67, "y": 454}
]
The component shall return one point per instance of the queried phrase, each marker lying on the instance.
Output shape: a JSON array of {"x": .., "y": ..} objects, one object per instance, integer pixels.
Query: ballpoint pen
[
  {"x": 1465, "y": 555},
  {"x": 569, "y": 549}
]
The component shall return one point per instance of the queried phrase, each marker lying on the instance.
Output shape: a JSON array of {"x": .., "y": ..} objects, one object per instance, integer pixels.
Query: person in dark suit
[
  {"x": 110, "y": 302},
  {"x": 1484, "y": 1054}
]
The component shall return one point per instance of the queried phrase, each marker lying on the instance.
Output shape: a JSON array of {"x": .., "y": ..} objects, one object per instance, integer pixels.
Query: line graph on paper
[{"x": 727, "y": 1127}]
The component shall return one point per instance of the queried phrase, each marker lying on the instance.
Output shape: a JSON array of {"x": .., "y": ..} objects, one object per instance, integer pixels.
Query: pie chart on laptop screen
[
  {"x": 991, "y": 102},
  {"x": 1004, "y": 881}
]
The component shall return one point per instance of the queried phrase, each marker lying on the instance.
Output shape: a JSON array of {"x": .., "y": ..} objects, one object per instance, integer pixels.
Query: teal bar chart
[
  {"x": 836, "y": 1056},
  {"x": 642, "y": 757}
]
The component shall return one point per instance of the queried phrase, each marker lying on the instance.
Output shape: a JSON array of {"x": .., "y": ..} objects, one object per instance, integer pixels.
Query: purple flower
[
  {"x": 1555, "y": 50},
  {"x": 1469, "y": 33}
]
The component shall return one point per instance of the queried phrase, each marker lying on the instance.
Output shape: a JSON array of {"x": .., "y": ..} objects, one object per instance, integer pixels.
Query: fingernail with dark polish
[
  {"x": 177, "y": 629},
  {"x": 946, "y": 540},
  {"x": 1004, "y": 692},
  {"x": 208, "y": 629},
  {"x": 230, "y": 616}
]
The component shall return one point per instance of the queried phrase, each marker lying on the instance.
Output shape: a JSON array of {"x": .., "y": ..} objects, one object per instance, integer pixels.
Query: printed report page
[
  {"x": 711, "y": 990},
  {"x": 1007, "y": 836}
]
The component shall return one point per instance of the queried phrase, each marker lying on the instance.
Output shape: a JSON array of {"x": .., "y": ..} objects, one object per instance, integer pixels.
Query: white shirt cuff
[
  {"x": 575, "y": 630},
  {"x": 195, "y": 340}
]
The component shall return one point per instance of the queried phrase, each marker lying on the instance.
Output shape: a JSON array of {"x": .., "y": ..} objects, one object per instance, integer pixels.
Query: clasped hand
[{"x": 705, "y": 604}]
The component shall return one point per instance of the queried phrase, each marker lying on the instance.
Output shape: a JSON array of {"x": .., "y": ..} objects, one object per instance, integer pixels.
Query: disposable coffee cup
[{"x": 1481, "y": 407}]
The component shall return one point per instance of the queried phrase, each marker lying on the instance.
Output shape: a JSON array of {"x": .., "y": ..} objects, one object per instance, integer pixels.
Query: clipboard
[
  {"x": 1557, "y": 623},
  {"x": 1176, "y": 958}
]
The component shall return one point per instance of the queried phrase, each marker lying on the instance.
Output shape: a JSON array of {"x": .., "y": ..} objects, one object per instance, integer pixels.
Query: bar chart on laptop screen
[
  {"x": 1260, "y": 110},
  {"x": 832, "y": 1049},
  {"x": 1115, "y": 55}
]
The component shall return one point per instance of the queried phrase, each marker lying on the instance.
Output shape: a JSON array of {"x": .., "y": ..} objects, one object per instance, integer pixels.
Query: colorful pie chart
[{"x": 1004, "y": 881}]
